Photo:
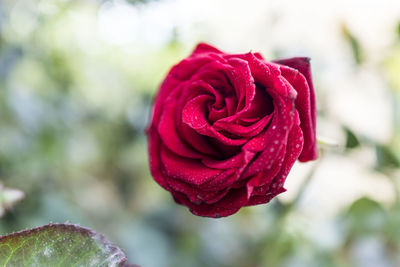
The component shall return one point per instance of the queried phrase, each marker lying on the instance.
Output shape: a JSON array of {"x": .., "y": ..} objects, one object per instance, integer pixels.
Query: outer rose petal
[
  {"x": 306, "y": 107},
  {"x": 154, "y": 157},
  {"x": 229, "y": 205},
  {"x": 205, "y": 48},
  {"x": 294, "y": 148},
  {"x": 188, "y": 170},
  {"x": 167, "y": 131}
]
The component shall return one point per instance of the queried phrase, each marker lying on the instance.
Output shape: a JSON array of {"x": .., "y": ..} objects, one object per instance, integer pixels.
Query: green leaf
[
  {"x": 354, "y": 44},
  {"x": 351, "y": 139},
  {"x": 365, "y": 216},
  {"x": 392, "y": 228},
  {"x": 59, "y": 245},
  {"x": 386, "y": 158},
  {"x": 392, "y": 67},
  {"x": 398, "y": 30}
]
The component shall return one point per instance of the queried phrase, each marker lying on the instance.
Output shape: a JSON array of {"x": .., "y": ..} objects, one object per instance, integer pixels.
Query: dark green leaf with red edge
[{"x": 59, "y": 245}]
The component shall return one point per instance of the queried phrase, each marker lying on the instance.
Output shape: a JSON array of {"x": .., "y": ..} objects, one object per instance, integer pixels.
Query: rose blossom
[{"x": 227, "y": 128}]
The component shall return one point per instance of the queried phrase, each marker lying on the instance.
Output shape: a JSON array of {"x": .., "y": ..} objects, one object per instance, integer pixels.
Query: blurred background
[{"x": 76, "y": 83}]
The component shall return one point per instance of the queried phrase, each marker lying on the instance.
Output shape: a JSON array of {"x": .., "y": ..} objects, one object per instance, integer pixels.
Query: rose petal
[
  {"x": 154, "y": 157},
  {"x": 193, "y": 115},
  {"x": 168, "y": 133},
  {"x": 243, "y": 131},
  {"x": 188, "y": 170},
  {"x": 276, "y": 134},
  {"x": 228, "y": 205},
  {"x": 260, "y": 107},
  {"x": 294, "y": 148},
  {"x": 195, "y": 194},
  {"x": 199, "y": 142},
  {"x": 305, "y": 103},
  {"x": 269, "y": 76},
  {"x": 239, "y": 160},
  {"x": 205, "y": 48},
  {"x": 243, "y": 83}
]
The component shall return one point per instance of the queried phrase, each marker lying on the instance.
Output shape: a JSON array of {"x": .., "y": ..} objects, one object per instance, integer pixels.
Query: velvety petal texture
[{"x": 227, "y": 128}]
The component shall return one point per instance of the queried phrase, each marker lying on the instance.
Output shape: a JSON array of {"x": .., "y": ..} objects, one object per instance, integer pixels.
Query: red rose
[{"x": 227, "y": 128}]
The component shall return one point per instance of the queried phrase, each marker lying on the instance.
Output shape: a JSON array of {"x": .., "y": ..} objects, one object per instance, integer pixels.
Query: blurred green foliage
[
  {"x": 351, "y": 139},
  {"x": 73, "y": 110},
  {"x": 354, "y": 44}
]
